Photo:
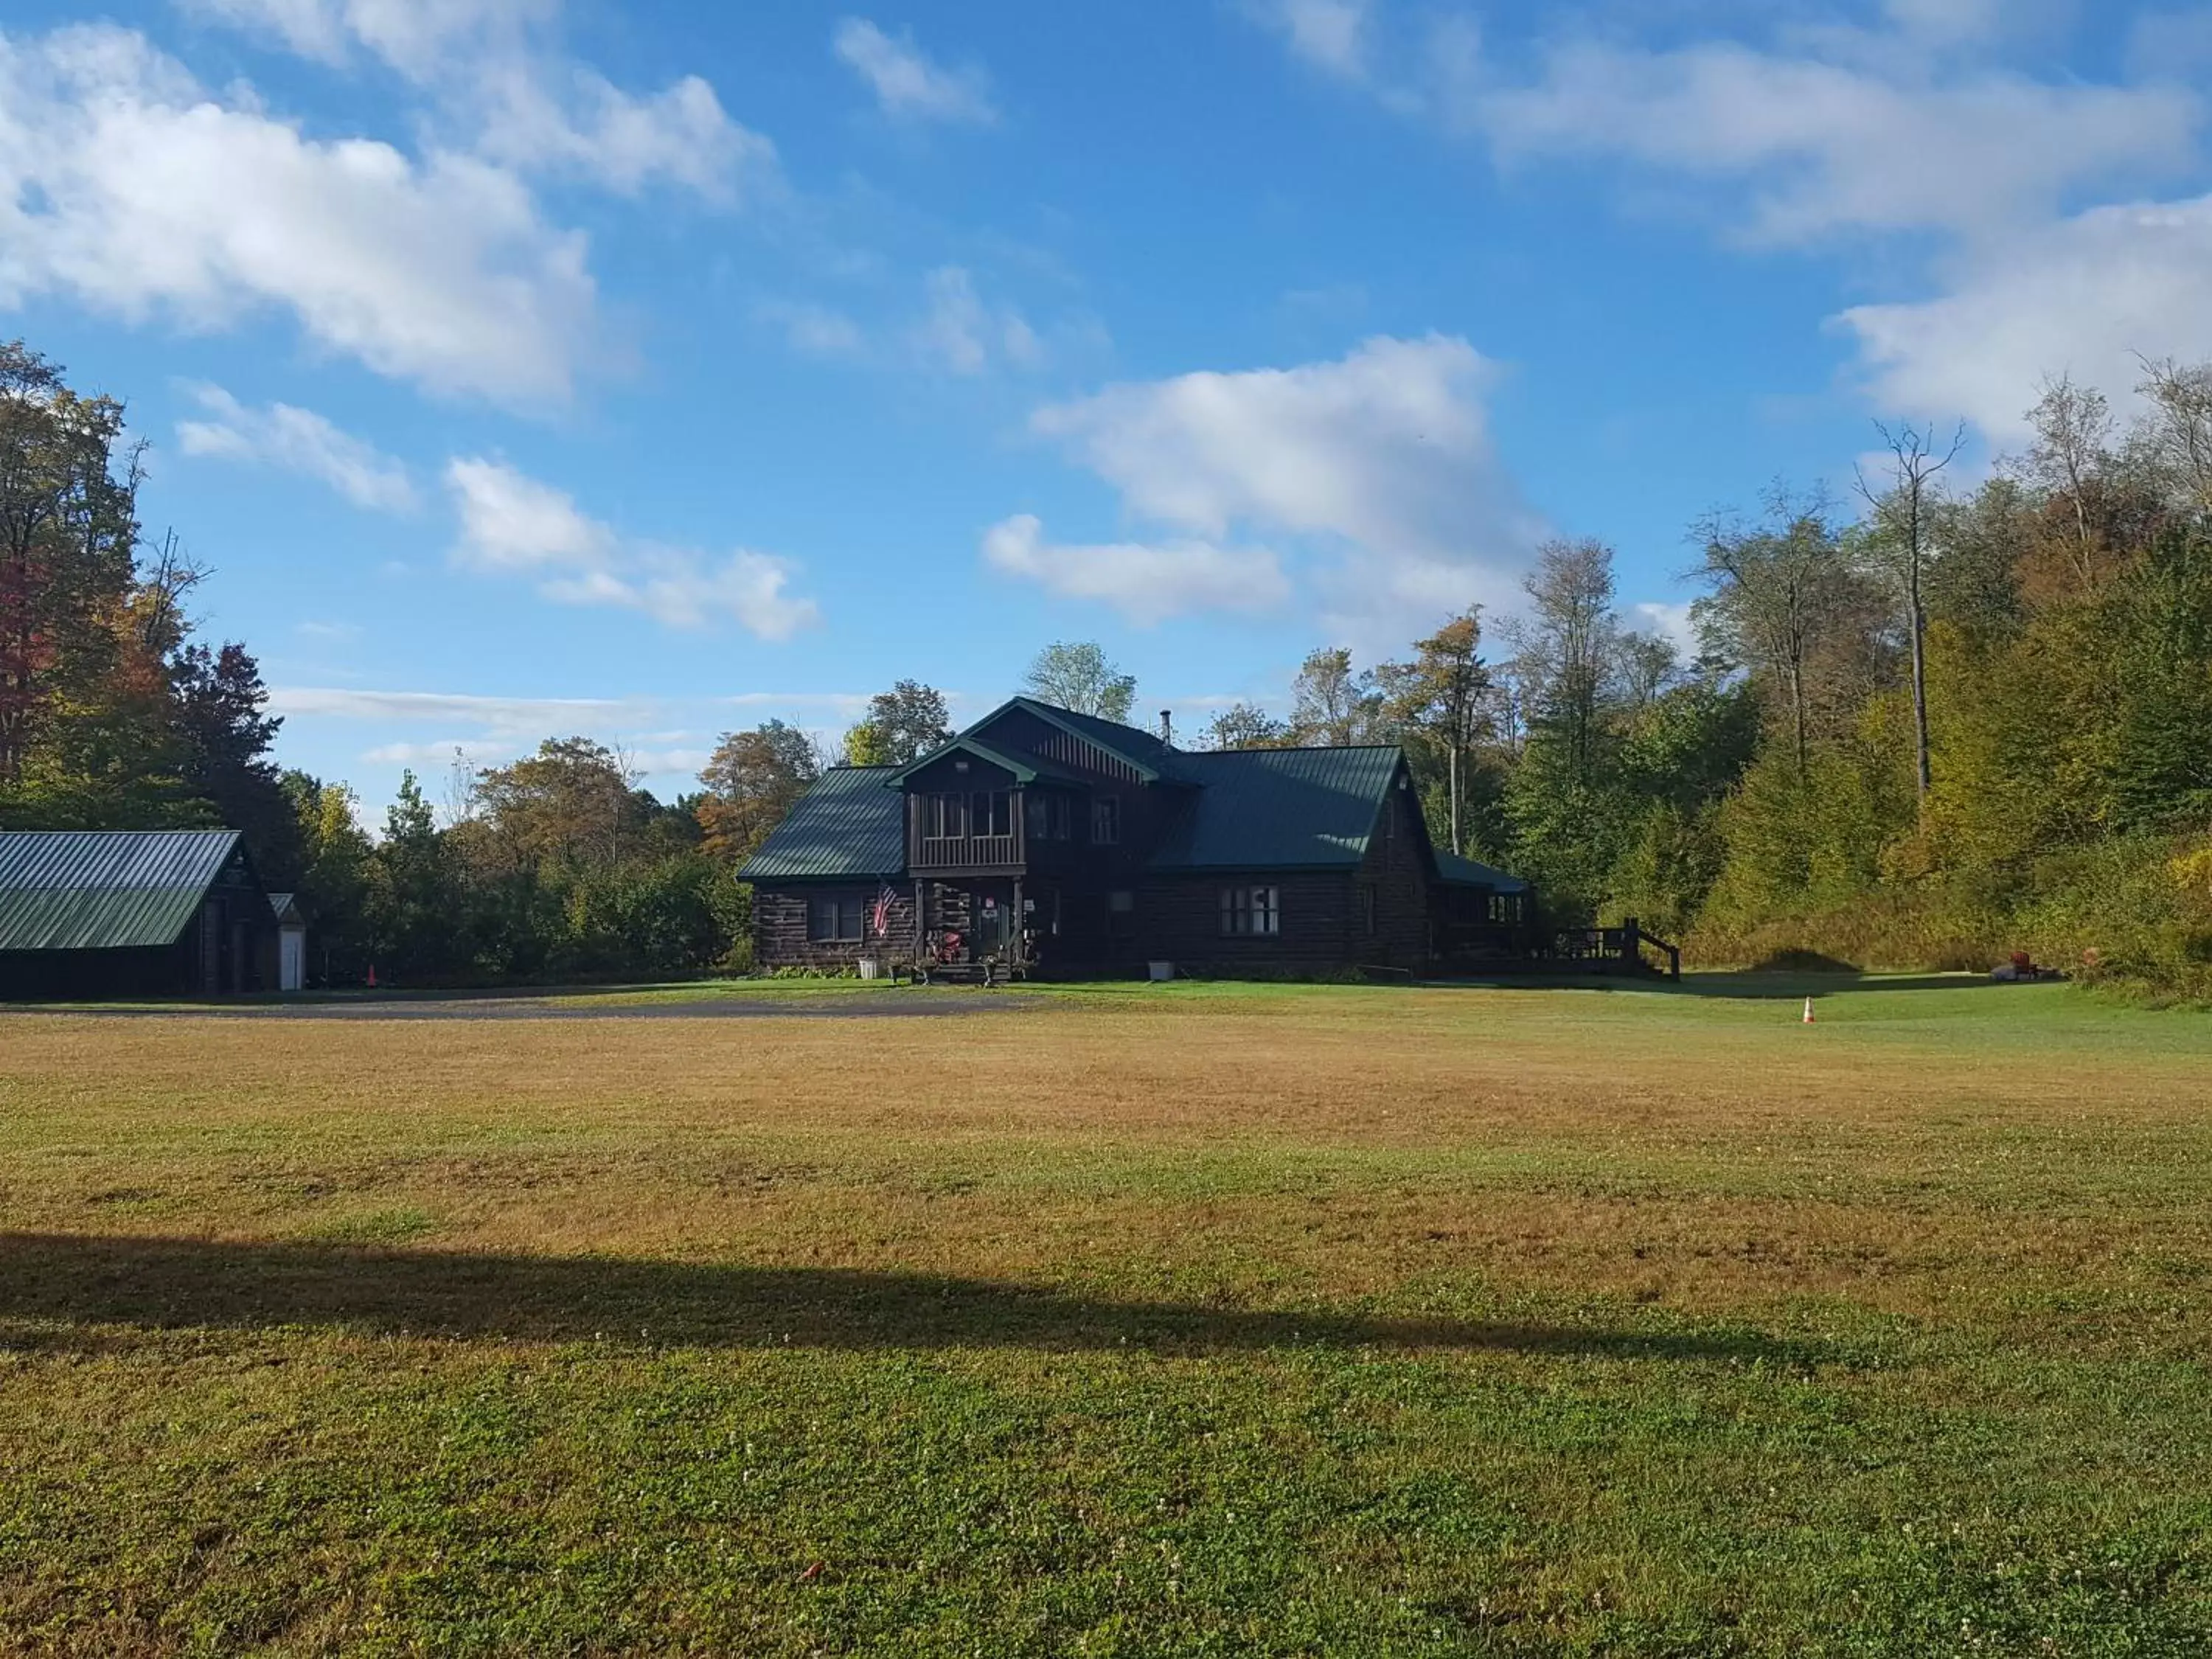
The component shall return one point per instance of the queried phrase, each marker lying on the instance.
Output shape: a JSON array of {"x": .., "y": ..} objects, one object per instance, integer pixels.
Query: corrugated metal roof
[
  {"x": 848, "y": 824},
  {"x": 94, "y": 890},
  {"x": 1026, "y": 768},
  {"x": 1277, "y": 808},
  {"x": 1142, "y": 750},
  {"x": 1472, "y": 872}
]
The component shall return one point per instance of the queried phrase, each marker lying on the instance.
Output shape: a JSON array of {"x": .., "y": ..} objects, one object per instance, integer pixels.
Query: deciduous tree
[
  {"x": 1905, "y": 506},
  {"x": 1079, "y": 677},
  {"x": 902, "y": 725},
  {"x": 752, "y": 782},
  {"x": 1333, "y": 705}
]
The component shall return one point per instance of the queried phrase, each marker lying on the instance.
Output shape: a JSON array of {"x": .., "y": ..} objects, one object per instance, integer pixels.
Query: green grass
[{"x": 1190, "y": 1319}]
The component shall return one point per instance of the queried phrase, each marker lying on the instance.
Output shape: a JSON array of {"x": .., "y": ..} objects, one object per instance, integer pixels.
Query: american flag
[{"x": 880, "y": 917}]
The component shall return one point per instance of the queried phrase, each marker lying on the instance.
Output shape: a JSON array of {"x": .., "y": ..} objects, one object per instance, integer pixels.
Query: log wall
[{"x": 780, "y": 938}]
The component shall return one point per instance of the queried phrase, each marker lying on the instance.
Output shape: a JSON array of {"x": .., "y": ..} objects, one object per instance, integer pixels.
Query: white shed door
[{"x": 292, "y": 960}]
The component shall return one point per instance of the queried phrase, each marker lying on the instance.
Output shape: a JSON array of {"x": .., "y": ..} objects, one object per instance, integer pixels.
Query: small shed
[
  {"x": 291, "y": 943},
  {"x": 93, "y": 913}
]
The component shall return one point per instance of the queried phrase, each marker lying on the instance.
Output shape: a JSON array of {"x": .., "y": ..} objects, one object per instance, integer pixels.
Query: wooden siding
[
  {"x": 1022, "y": 730},
  {"x": 1179, "y": 921},
  {"x": 779, "y": 927},
  {"x": 963, "y": 853},
  {"x": 1396, "y": 872}
]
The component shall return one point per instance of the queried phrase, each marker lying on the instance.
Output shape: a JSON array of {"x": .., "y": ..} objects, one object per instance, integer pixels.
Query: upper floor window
[
  {"x": 1248, "y": 911},
  {"x": 1106, "y": 821},
  {"x": 944, "y": 818},
  {"x": 991, "y": 813},
  {"x": 1047, "y": 815}
]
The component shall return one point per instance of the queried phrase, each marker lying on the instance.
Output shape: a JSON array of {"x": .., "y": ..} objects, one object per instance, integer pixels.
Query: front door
[{"x": 993, "y": 919}]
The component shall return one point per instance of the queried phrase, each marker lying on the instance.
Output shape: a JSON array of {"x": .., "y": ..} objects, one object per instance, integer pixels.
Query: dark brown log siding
[
  {"x": 1396, "y": 870},
  {"x": 1179, "y": 921},
  {"x": 780, "y": 928}
]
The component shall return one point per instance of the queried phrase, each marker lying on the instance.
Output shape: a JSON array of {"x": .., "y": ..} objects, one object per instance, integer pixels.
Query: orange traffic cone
[{"x": 1809, "y": 1011}]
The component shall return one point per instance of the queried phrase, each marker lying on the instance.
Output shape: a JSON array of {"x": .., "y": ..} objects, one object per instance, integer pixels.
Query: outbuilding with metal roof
[{"x": 94, "y": 913}]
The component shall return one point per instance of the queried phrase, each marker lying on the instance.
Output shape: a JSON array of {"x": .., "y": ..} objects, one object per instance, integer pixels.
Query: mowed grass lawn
[{"x": 1170, "y": 1321}]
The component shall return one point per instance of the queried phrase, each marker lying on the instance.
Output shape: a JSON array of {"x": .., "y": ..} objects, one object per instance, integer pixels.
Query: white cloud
[
  {"x": 2085, "y": 296},
  {"x": 962, "y": 333},
  {"x": 473, "y": 751},
  {"x": 126, "y": 187},
  {"x": 1387, "y": 449},
  {"x": 1147, "y": 583},
  {"x": 816, "y": 331},
  {"x": 1948, "y": 23},
  {"x": 660, "y": 737},
  {"x": 1379, "y": 464},
  {"x": 506, "y": 715},
  {"x": 908, "y": 84},
  {"x": 509, "y": 96},
  {"x": 1829, "y": 144},
  {"x": 418, "y": 38},
  {"x": 516, "y": 524},
  {"x": 1330, "y": 34},
  {"x": 1668, "y": 621},
  {"x": 296, "y": 441},
  {"x": 571, "y": 120}
]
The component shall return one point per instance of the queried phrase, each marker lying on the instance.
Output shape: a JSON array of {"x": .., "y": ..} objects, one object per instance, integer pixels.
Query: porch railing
[{"x": 966, "y": 851}]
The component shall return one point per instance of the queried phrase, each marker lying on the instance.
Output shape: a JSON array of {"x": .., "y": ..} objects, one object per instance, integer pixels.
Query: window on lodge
[
  {"x": 1106, "y": 821},
  {"x": 954, "y": 817},
  {"x": 944, "y": 818},
  {"x": 991, "y": 813},
  {"x": 1249, "y": 912},
  {"x": 832, "y": 919},
  {"x": 1048, "y": 816}
]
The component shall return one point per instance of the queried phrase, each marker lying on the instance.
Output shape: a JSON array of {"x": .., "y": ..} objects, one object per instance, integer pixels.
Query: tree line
[
  {"x": 1923, "y": 727},
  {"x": 1926, "y": 728}
]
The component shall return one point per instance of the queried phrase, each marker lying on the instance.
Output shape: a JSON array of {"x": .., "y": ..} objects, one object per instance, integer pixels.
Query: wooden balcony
[{"x": 937, "y": 855}]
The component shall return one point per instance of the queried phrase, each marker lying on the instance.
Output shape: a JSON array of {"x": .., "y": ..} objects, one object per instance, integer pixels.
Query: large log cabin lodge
[{"x": 1043, "y": 840}]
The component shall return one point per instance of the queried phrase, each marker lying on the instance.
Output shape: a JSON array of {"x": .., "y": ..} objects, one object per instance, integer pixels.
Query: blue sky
[{"x": 522, "y": 367}]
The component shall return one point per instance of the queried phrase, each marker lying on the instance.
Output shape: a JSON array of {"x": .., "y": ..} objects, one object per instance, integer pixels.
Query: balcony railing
[{"x": 965, "y": 852}]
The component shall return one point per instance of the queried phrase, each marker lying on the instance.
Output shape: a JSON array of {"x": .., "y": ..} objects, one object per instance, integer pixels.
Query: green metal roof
[
  {"x": 1278, "y": 808},
  {"x": 104, "y": 889},
  {"x": 1026, "y": 768},
  {"x": 846, "y": 825},
  {"x": 1471, "y": 872},
  {"x": 1145, "y": 754},
  {"x": 1142, "y": 750}
]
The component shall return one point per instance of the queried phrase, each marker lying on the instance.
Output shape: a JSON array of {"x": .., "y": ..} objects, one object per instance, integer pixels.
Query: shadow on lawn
[{"x": 172, "y": 1283}]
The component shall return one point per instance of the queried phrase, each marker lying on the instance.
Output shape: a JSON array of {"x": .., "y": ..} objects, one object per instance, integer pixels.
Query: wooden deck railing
[
  {"x": 1621, "y": 950},
  {"x": 966, "y": 851}
]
